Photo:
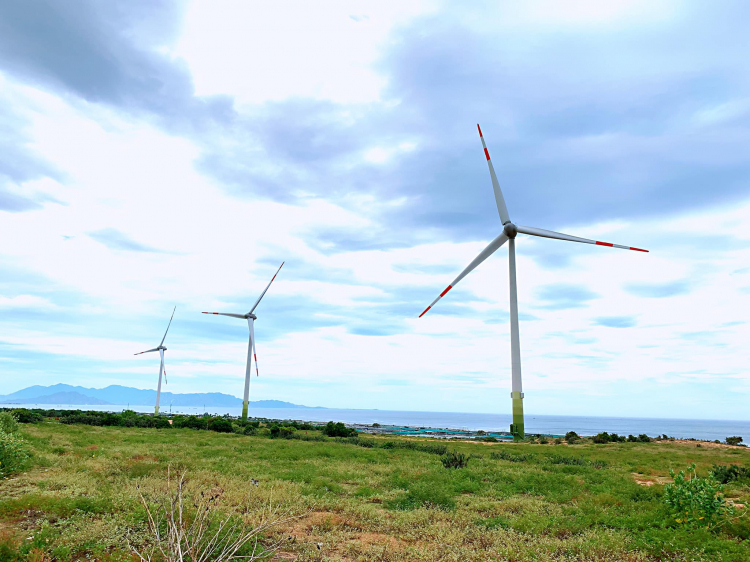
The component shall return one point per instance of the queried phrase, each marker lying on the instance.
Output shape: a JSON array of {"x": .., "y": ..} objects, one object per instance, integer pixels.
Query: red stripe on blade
[
  {"x": 639, "y": 250},
  {"x": 487, "y": 153},
  {"x": 604, "y": 244},
  {"x": 448, "y": 288},
  {"x": 480, "y": 129},
  {"x": 425, "y": 310}
]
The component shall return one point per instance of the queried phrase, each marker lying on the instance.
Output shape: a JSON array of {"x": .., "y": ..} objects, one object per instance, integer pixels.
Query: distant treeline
[{"x": 221, "y": 424}]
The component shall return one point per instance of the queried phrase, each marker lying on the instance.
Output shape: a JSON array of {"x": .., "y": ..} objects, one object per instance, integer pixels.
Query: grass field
[{"x": 78, "y": 500}]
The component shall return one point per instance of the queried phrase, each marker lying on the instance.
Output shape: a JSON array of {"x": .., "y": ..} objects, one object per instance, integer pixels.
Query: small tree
[{"x": 736, "y": 440}]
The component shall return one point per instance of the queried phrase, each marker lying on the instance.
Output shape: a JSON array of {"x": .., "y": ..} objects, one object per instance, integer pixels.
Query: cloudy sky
[{"x": 161, "y": 154}]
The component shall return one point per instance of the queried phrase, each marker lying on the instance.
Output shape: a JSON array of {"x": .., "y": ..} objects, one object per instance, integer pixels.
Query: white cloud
[{"x": 277, "y": 50}]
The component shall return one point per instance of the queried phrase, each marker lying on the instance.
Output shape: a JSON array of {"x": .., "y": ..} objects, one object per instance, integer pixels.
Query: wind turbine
[
  {"x": 508, "y": 234},
  {"x": 251, "y": 318},
  {"x": 161, "y": 349}
]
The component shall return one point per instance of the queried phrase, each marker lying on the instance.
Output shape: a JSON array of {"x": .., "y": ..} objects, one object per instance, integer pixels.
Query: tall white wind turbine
[
  {"x": 161, "y": 349},
  {"x": 508, "y": 234},
  {"x": 251, "y": 318}
]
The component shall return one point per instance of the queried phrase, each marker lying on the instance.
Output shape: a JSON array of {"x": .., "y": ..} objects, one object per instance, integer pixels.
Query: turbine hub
[
  {"x": 252, "y": 316},
  {"x": 510, "y": 230}
]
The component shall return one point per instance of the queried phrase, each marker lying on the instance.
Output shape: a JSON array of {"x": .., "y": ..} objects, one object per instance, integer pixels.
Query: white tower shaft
[{"x": 158, "y": 388}]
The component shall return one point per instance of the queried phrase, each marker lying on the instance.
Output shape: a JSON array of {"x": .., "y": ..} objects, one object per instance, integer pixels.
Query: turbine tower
[
  {"x": 251, "y": 318},
  {"x": 161, "y": 349},
  {"x": 510, "y": 230}
]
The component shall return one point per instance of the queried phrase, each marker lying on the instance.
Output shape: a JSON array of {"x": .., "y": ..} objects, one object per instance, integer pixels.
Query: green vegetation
[
  {"x": 13, "y": 451},
  {"x": 452, "y": 459},
  {"x": 697, "y": 501},
  {"x": 376, "y": 498},
  {"x": 726, "y": 474}
]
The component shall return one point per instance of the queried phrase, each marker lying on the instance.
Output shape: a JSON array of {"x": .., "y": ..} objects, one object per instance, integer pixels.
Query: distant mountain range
[{"x": 65, "y": 394}]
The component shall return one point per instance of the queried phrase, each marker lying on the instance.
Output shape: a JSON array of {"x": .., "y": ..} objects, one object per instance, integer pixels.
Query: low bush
[
  {"x": 506, "y": 456},
  {"x": 13, "y": 453},
  {"x": 726, "y": 474},
  {"x": 452, "y": 459},
  {"x": 220, "y": 425},
  {"x": 8, "y": 423},
  {"x": 338, "y": 429},
  {"x": 696, "y": 501},
  {"x": 23, "y": 415},
  {"x": 572, "y": 437},
  {"x": 736, "y": 440}
]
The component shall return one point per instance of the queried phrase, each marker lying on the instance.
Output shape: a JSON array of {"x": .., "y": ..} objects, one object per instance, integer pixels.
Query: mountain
[
  {"x": 65, "y": 394},
  {"x": 60, "y": 398}
]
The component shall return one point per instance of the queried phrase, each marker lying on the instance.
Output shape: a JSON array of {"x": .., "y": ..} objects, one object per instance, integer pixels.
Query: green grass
[{"x": 518, "y": 502}]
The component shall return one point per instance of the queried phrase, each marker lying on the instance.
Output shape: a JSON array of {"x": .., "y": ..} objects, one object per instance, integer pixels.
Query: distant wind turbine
[
  {"x": 509, "y": 234},
  {"x": 251, "y": 318},
  {"x": 161, "y": 349}
]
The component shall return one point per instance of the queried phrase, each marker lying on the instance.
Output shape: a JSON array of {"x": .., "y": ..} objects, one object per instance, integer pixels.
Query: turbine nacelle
[{"x": 510, "y": 230}]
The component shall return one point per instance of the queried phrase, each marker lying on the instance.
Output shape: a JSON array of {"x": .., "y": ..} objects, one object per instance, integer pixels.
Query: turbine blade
[
  {"x": 266, "y": 289},
  {"x": 164, "y": 369},
  {"x": 147, "y": 351},
  {"x": 243, "y": 316},
  {"x": 499, "y": 199},
  {"x": 255, "y": 355},
  {"x": 483, "y": 255},
  {"x": 559, "y": 236},
  {"x": 168, "y": 325}
]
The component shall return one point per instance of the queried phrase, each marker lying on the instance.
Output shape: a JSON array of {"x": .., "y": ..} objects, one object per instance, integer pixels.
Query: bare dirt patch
[{"x": 643, "y": 480}]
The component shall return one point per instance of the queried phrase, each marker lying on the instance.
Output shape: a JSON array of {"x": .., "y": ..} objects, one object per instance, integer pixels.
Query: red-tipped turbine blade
[
  {"x": 533, "y": 231},
  {"x": 483, "y": 255}
]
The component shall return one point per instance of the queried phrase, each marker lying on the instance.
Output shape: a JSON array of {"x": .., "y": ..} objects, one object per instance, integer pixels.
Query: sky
[{"x": 162, "y": 154}]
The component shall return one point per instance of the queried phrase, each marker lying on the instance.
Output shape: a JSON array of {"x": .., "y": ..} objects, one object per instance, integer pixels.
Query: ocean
[{"x": 554, "y": 425}]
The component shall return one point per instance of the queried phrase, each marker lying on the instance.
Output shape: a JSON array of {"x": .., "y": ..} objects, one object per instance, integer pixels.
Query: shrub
[
  {"x": 489, "y": 439},
  {"x": 452, "y": 459},
  {"x": 220, "y": 425},
  {"x": 601, "y": 438},
  {"x": 558, "y": 441},
  {"x": 286, "y": 432},
  {"x": 632, "y": 439},
  {"x": 643, "y": 438},
  {"x": 192, "y": 422},
  {"x": 696, "y": 501},
  {"x": 13, "y": 454},
  {"x": 338, "y": 430},
  {"x": 572, "y": 437},
  {"x": 26, "y": 416},
  {"x": 8, "y": 423},
  {"x": 736, "y": 440},
  {"x": 726, "y": 474}
]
